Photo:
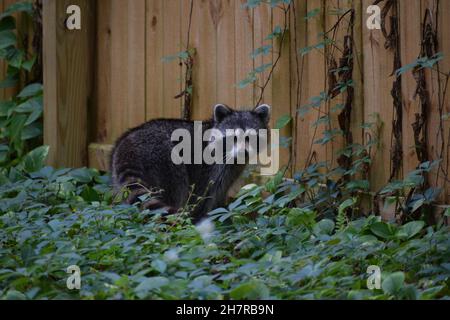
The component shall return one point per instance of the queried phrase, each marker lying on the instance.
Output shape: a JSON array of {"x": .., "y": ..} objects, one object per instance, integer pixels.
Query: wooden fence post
[{"x": 68, "y": 58}]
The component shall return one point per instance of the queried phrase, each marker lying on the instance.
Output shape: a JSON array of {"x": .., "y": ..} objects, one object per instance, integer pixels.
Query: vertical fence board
[
  {"x": 410, "y": 37},
  {"x": 262, "y": 28},
  {"x": 281, "y": 82},
  {"x": 358, "y": 71},
  {"x": 335, "y": 51},
  {"x": 378, "y": 107},
  {"x": 101, "y": 126},
  {"x": 444, "y": 46},
  {"x": 153, "y": 60},
  {"x": 226, "y": 63},
  {"x": 172, "y": 69},
  {"x": 315, "y": 77},
  {"x": 244, "y": 47},
  {"x": 68, "y": 62},
  {"x": 204, "y": 26},
  {"x": 299, "y": 87},
  {"x": 434, "y": 87},
  {"x": 118, "y": 117},
  {"x": 136, "y": 62}
]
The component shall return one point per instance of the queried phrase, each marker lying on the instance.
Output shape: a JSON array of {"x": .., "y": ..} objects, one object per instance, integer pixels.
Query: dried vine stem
[
  {"x": 188, "y": 75},
  {"x": 37, "y": 40},
  {"x": 285, "y": 9}
]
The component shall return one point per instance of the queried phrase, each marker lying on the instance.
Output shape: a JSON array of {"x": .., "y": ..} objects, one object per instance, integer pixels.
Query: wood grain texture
[
  {"x": 281, "y": 83},
  {"x": 205, "y": 19},
  {"x": 378, "y": 107},
  {"x": 444, "y": 46},
  {"x": 262, "y": 27},
  {"x": 171, "y": 13},
  {"x": 410, "y": 37},
  {"x": 243, "y": 50},
  {"x": 68, "y": 79},
  {"x": 358, "y": 110},
  {"x": 99, "y": 155},
  {"x": 154, "y": 59},
  {"x": 299, "y": 82},
  {"x": 335, "y": 52},
  {"x": 435, "y": 87},
  {"x": 316, "y": 83},
  {"x": 100, "y": 123},
  {"x": 226, "y": 53}
]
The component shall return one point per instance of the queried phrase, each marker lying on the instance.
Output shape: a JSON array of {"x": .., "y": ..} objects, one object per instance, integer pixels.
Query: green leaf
[
  {"x": 15, "y": 295},
  {"x": 346, "y": 204},
  {"x": 35, "y": 160},
  {"x": 264, "y": 50},
  {"x": 393, "y": 283},
  {"x": 28, "y": 65},
  {"x": 7, "y": 38},
  {"x": 412, "y": 228},
  {"x": 31, "y": 131},
  {"x": 325, "y": 226},
  {"x": 8, "y": 23},
  {"x": 283, "y": 121},
  {"x": 382, "y": 230},
  {"x": 31, "y": 90},
  {"x": 159, "y": 266},
  {"x": 148, "y": 284},
  {"x": 83, "y": 175},
  {"x": 251, "y": 290},
  {"x": 21, "y": 6},
  {"x": 277, "y": 32},
  {"x": 312, "y": 13},
  {"x": 252, "y": 3}
]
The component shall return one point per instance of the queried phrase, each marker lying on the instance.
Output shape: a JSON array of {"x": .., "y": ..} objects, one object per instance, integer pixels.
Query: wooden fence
[{"x": 111, "y": 74}]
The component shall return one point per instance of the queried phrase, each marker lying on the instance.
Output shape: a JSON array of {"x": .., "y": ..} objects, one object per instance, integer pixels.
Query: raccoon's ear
[
  {"x": 263, "y": 112},
  {"x": 221, "y": 111}
]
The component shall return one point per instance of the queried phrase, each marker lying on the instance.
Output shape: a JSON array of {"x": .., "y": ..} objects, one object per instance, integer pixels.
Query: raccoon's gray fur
[{"x": 141, "y": 161}]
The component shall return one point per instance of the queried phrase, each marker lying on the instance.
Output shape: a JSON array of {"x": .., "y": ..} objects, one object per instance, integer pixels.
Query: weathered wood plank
[
  {"x": 244, "y": 47},
  {"x": 100, "y": 124},
  {"x": 281, "y": 82},
  {"x": 316, "y": 84},
  {"x": 299, "y": 83},
  {"x": 68, "y": 65},
  {"x": 206, "y": 16},
  {"x": 136, "y": 62},
  {"x": 378, "y": 65},
  {"x": 444, "y": 46},
  {"x": 262, "y": 28},
  {"x": 171, "y": 13},
  {"x": 226, "y": 63},
  {"x": 99, "y": 155},
  {"x": 153, "y": 60},
  {"x": 410, "y": 37}
]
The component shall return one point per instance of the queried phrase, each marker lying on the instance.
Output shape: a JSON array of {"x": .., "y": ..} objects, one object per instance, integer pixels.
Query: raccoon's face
[{"x": 246, "y": 132}]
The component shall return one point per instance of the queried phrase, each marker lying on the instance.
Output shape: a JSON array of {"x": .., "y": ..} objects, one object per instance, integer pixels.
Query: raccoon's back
[{"x": 146, "y": 147}]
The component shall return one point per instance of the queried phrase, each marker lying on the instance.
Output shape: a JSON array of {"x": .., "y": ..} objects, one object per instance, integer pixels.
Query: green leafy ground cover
[{"x": 257, "y": 248}]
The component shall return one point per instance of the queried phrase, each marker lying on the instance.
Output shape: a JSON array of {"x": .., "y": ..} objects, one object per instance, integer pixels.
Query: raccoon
[{"x": 141, "y": 162}]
